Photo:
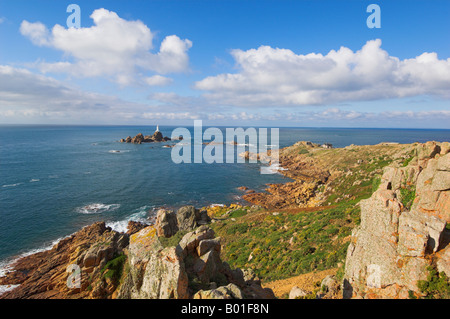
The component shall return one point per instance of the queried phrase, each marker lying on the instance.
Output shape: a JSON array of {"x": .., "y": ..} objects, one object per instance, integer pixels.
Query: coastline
[{"x": 305, "y": 164}]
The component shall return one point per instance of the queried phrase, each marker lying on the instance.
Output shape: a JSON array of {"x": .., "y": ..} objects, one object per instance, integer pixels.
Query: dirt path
[{"x": 305, "y": 282}]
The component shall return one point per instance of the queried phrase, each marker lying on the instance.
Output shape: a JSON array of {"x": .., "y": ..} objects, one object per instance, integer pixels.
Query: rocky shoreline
[
  {"x": 401, "y": 241},
  {"x": 177, "y": 257}
]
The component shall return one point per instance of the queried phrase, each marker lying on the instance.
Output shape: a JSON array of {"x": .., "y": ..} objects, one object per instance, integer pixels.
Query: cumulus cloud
[
  {"x": 28, "y": 97},
  {"x": 158, "y": 80},
  {"x": 278, "y": 77},
  {"x": 112, "y": 47}
]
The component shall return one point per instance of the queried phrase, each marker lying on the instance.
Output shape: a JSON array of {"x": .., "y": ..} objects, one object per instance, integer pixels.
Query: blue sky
[{"x": 247, "y": 62}]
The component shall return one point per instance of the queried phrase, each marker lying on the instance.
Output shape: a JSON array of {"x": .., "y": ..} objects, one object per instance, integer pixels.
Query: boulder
[
  {"x": 419, "y": 234},
  {"x": 230, "y": 291},
  {"x": 329, "y": 285},
  {"x": 443, "y": 262},
  {"x": 297, "y": 293},
  {"x": 187, "y": 218},
  {"x": 166, "y": 223},
  {"x": 133, "y": 227},
  {"x": 190, "y": 241}
]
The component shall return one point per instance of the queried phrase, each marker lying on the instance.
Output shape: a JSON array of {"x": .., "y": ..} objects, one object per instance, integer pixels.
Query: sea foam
[{"x": 97, "y": 208}]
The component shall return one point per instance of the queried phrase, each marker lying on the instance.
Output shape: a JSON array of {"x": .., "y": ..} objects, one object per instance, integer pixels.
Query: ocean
[{"x": 54, "y": 180}]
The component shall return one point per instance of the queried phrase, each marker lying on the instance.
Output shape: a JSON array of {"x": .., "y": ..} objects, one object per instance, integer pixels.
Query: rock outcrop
[
  {"x": 154, "y": 272},
  {"x": 45, "y": 274},
  {"x": 185, "y": 270},
  {"x": 140, "y": 138},
  {"x": 403, "y": 228},
  {"x": 186, "y": 218},
  {"x": 138, "y": 264}
]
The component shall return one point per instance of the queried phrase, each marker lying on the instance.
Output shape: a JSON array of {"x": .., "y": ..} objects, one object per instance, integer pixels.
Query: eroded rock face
[
  {"x": 166, "y": 223},
  {"x": 187, "y": 218},
  {"x": 156, "y": 272},
  {"x": 44, "y": 275},
  {"x": 390, "y": 250}
]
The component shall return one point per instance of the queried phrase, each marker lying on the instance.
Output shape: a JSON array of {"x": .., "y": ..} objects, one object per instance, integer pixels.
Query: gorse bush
[
  {"x": 436, "y": 286},
  {"x": 113, "y": 268},
  {"x": 286, "y": 245}
]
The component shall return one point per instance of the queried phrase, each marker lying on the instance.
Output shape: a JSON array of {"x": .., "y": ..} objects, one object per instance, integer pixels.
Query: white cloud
[
  {"x": 28, "y": 97},
  {"x": 158, "y": 80},
  {"x": 112, "y": 47},
  {"x": 279, "y": 77},
  {"x": 170, "y": 115}
]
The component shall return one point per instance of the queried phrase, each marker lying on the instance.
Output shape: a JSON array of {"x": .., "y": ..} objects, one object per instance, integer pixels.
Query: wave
[
  {"x": 144, "y": 214},
  {"x": 6, "y": 266},
  {"x": 34, "y": 180},
  {"x": 217, "y": 205},
  {"x": 117, "y": 151},
  {"x": 97, "y": 208},
  {"x": 12, "y": 185},
  {"x": 272, "y": 169},
  {"x": 5, "y": 288}
]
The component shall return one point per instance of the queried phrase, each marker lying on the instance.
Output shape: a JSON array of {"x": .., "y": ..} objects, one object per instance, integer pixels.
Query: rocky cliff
[
  {"x": 178, "y": 257},
  {"x": 402, "y": 235}
]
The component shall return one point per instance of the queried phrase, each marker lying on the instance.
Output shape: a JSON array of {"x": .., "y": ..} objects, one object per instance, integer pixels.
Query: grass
[
  {"x": 288, "y": 244},
  {"x": 113, "y": 268},
  {"x": 411, "y": 155},
  {"x": 172, "y": 241},
  {"x": 407, "y": 196},
  {"x": 238, "y": 213}
]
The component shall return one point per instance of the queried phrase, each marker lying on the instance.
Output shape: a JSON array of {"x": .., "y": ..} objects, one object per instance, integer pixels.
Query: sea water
[{"x": 54, "y": 180}]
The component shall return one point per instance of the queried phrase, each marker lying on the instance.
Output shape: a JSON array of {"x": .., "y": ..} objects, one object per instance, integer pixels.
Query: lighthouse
[{"x": 157, "y": 128}]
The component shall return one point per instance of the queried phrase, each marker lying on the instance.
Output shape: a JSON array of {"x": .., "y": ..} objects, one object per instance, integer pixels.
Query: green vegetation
[
  {"x": 238, "y": 213},
  {"x": 172, "y": 241},
  {"x": 287, "y": 244},
  {"x": 359, "y": 182},
  {"x": 436, "y": 286},
  {"x": 290, "y": 242},
  {"x": 407, "y": 195},
  {"x": 113, "y": 268},
  {"x": 411, "y": 155},
  {"x": 303, "y": 151}
]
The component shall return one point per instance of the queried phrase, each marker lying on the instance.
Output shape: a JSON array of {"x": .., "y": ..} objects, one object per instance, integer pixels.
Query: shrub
[
  {"x": 172, "y": 241},
  {"x": 238, "y": 213},
  {"x": 407, "y": 196},
  {"x": 436, "y": 286},
  {"x": 113, "y": 268}
]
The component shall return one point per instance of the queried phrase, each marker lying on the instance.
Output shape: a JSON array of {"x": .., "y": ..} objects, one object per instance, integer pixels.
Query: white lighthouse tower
[{"x": 157, "y": 128}]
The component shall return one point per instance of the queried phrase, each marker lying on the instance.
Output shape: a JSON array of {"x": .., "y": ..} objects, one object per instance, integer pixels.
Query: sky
[{"x": 295, "y": 63}]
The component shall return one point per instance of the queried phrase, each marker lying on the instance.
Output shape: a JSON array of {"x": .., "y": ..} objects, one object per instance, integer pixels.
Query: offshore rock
[{"x": 140, "y": 138}]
